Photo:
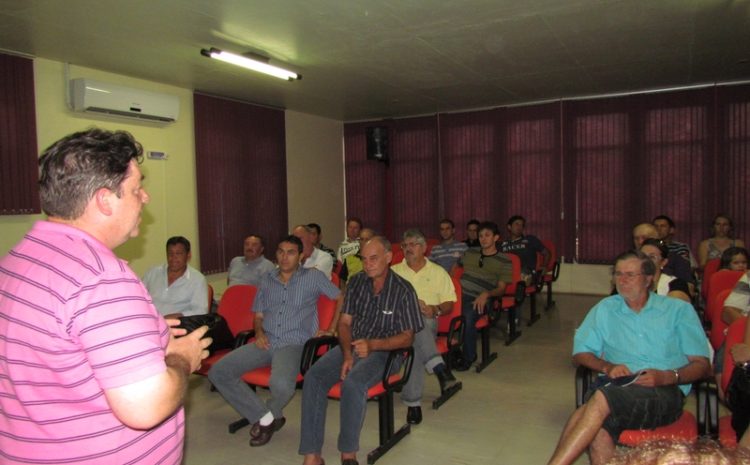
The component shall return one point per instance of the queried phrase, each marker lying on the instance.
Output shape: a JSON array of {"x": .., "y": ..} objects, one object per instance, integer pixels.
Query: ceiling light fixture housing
[{"x": 251, "y": 63}]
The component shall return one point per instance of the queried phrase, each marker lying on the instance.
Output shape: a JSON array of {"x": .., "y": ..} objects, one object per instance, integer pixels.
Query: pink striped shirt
[{"x": 75, "y": 320}]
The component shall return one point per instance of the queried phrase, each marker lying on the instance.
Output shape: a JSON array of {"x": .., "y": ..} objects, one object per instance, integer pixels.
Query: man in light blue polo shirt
[
  {"x": 636, "y": 331},
  {"x": 285, "y": 318}
]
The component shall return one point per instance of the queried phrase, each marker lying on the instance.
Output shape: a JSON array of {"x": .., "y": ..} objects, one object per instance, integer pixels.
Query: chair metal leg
[
  {"x": 388, "y": 438},
  {"x": 487, "y": 357},
  {"x": 447, "y": 394},
  {"x": 238, "y": 425},
  {"x": 532, "y": 304},
  {"x": 550, "y": 302},
  {"x": 513, "y": 332}
]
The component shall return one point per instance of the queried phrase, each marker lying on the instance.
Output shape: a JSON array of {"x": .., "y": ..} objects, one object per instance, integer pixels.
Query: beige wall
[
  {"x": 314, "y": 147},
  {"x": 315, "y": 174}
]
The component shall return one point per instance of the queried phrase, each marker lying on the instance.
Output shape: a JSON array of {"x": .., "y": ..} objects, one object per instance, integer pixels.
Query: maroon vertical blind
[
  {"x": 582, "y": 172},
  {"x": 241, "y": 178},
  {"x": 19, "y": 191}
]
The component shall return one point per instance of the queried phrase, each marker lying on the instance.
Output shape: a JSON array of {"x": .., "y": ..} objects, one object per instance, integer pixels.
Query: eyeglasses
[
  {"x": 406, "y": 245},
  {"x": 626, "y": 274}
]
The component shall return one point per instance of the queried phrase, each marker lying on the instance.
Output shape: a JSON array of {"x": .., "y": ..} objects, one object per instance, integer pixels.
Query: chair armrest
[
  {"x": 312, "y": 348},
  {"x": 556, "y": 271},
  {"x": 520, "y": 294},
  {"x": 583, "y": 381},
  {"x": 406, "y": 359},
  {"x": 242, "y": 337},
  {"x": 707, "y": 409},
  {"x": 455, "y": 330}
]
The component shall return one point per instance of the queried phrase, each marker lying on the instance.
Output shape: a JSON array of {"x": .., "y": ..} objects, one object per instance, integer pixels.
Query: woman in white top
[{"x": 664, "y": 284}]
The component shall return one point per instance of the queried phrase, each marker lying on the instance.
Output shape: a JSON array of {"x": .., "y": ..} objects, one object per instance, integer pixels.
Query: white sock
[{"x": 266, "y": 419}]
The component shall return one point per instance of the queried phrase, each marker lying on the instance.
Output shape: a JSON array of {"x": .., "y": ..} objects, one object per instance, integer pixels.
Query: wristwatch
[{"x": 676, "y": 376}]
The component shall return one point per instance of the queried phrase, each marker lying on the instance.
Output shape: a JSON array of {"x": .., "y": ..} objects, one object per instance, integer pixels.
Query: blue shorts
[{"x": 640, "y": 407}]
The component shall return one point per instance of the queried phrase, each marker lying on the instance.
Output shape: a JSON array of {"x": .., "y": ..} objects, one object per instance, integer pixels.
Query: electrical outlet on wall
[{"x": 157, "y": 155}]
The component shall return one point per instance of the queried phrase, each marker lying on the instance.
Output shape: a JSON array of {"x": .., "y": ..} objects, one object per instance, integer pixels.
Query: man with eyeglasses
[
  {"x": 633, "y": 332},
  {"x": 436, "y": 295},
  {"x": 486, "y": 273}
]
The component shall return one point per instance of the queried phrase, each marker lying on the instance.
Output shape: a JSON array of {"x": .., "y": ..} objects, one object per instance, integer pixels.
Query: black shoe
[
  {"x": 277, "y": 424},
  {"x": 265, "y": 433},
  {"x": 445, "y": 378},
  {"x": 464, "y": 365},
  {"x": 347, "y": 462},
  {"x": 414, "y": 415}
]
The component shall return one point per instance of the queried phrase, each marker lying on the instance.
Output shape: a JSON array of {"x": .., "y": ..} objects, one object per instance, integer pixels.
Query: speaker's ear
[{"x": 377, "y": 143}]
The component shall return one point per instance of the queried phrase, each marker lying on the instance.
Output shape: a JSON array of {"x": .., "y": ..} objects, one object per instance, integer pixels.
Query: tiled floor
[{"x": 511, "y": 413}]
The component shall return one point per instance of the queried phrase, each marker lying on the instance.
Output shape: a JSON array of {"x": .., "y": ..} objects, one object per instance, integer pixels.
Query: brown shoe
[
  {"x": 265, "y": 433},
  {"x": 278, "y": 423}
]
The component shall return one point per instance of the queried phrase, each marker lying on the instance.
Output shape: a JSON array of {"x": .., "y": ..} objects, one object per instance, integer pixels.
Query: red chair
[
  {"x": 718, "y": 326},
  {"x": 383, "y": 394},
  {"x": 722, "y": 430},
  {"x": 398, "y": 254},
  {"x": 551, "y": 272},
  {"x": 712, "y": 266},
  {"x": 686, "y": 428},
  {"x": 430, "y": 244},
  {"x": 722, "y": 279},
  {"x": 449, "y": 340},
  {"x": 261, "y": 377},
  {"x": 236, "y": 306},
  {"x": 335, "y": 279},
  {"x": 534, "y": 287}
]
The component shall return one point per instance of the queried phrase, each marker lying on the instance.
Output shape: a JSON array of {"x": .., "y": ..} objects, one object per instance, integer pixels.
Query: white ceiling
[{"x": 388, "y": 58}]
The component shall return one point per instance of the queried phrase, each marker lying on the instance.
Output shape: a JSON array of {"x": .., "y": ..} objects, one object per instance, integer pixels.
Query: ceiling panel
[{"x": 365, "y": 59}]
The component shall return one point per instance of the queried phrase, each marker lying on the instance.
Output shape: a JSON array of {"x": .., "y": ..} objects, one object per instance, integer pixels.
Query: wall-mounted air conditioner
[{"x": 101, "y": 97}]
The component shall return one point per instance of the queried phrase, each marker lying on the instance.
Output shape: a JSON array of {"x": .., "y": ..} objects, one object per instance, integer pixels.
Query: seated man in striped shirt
[
  {"x": 380, "y": 313},
  {"x": 286, "y": 316},
  {"x": 90, "y": 373}
]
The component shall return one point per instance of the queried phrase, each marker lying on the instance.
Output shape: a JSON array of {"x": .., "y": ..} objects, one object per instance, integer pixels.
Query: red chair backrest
[
  {"x": 336, "y": 279},
  {"x": 712, "y": 266},
  {"x": 735, "y": 335},
  {"x": 717, "y": 323},
  {"x": 326, "y": 310},
  {"x": 430, "y": 244},
  {"x": 236, "y": 306},
  {"x": 722, "y": 279},
  {"x": 398, "y": 254},
  {"x": 444, "y": 320},
  {"x": 552, "y": 256},
  {"x": 510, "y": 288}
]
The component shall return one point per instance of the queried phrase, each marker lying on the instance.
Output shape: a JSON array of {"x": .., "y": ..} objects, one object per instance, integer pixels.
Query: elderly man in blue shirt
[
  {"x": 635, "y": 331},
  {"x": 285, "y": 318}
]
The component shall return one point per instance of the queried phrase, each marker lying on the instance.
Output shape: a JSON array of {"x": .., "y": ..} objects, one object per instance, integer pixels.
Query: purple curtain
[
  {"x": 241, "y": 178},
  {"x": 583, "y": 172},
  {"x": 19, "y": 191}
]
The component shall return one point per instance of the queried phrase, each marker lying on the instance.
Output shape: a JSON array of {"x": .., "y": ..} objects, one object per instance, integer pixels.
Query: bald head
[{"x": 642, "y": 232}]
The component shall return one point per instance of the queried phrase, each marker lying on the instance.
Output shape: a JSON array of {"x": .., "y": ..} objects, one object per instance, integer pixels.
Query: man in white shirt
[
  {"x": 312, "y": 256},
  {"x": 176, "y": 288},
  {"x": 250, "y": 268}
]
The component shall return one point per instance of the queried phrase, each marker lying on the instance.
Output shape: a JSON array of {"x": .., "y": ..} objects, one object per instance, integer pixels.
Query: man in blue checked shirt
[{"x": 286, "y": 317}]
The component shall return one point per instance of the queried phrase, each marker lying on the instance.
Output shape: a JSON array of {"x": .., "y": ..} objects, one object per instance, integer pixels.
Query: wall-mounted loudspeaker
[{"x": 377, "y": 143}]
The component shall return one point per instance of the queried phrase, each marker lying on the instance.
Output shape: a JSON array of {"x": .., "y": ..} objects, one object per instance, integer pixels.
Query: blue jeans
[
  {"x": 425, "y": 355},
  {"x": 326, "y": 372},
  {"x": 470, "y": 330},
  {"x": 226, "y": 377}
]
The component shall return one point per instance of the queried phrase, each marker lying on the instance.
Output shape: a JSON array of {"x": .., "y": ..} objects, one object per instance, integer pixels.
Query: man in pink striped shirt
[{"x": 89, "y": 371}]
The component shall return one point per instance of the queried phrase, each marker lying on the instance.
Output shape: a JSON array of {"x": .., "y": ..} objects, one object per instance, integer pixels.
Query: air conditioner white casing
[{"x": 101, "y": 97}]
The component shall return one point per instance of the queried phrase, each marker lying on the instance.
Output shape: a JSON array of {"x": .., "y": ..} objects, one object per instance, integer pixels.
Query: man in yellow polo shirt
[{"x": 436, "y": 296}]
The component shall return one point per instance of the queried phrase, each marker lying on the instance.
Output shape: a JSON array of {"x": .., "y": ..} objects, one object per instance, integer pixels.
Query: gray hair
[{"x": 415, "y": 234}]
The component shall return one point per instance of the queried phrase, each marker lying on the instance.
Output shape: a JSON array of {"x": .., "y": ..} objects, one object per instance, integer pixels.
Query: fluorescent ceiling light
[{"x": 251, "y": 63}]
